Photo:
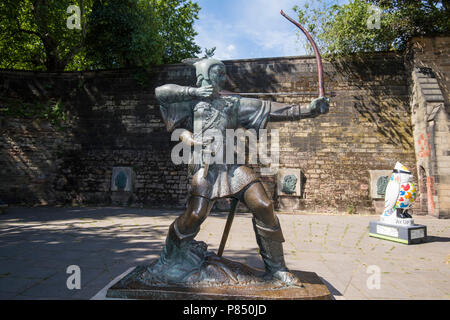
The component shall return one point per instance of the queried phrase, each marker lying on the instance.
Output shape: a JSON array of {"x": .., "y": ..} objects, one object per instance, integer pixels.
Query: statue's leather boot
[
  {"x": 177, "y": 243},
  {"x": 270, "y": 242}
]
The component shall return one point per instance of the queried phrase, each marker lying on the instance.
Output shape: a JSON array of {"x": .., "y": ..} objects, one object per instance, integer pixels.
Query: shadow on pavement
[
  {"x": 437, "y": 239},
  {"x": 38, "y": 244}
]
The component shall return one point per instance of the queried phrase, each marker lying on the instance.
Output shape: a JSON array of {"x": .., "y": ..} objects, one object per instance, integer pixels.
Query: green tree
[
  {"x": 34, "y": 34},
  {"x": 122, "y": 34},
  {"x": 176, "y": 24},
  {"x": 341, "y": 29},
  {"x": 140, "y": 33},
  {"x": 114, "y": 33}
]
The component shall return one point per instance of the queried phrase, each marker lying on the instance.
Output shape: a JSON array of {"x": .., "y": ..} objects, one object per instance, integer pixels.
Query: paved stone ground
[{"x": 38, "y": 244}]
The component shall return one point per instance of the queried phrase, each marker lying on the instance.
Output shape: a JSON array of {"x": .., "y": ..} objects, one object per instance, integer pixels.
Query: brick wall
[
  {"x": 434, "y": 53},
  {"x": 113, "y": 120},
  {"x": 430, "y": 104}
]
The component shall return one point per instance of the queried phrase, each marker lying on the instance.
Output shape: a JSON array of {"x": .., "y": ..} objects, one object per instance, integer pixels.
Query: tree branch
[
  {"x": 78, "y": 48},
  {"x": 30, "y": 32},
  {"x": 20, "y": 29}
]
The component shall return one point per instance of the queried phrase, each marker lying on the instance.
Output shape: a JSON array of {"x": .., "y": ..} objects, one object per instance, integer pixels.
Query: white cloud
[
  {"x": 210, "y": 34},
  {"x": 231, "y": 48},
  {"x": 270, "y": 29}
]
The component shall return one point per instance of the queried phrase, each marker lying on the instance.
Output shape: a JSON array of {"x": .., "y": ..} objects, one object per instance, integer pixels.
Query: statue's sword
[
  {"x": 235, "y": 202},
  {"x": 198, "y": 134},
  {"x": 199, "y": 128},
  {"x": 206, "y": 154},
  {"x": 226, "y": 231}
]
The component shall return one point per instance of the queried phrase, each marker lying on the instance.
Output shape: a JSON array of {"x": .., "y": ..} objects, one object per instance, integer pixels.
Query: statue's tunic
[{"x": 217, "y": 114}]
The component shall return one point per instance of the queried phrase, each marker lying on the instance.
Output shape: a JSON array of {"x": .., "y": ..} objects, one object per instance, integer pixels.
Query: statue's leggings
[{"x": 254, "y": 196}]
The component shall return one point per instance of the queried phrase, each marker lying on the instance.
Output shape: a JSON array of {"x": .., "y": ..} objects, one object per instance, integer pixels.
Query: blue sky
[
  {"x": 247, "y": 28},
  {"x": 242, "y": 29}
]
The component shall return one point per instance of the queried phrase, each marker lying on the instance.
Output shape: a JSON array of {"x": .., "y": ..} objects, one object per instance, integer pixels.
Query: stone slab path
[{"x": 38, "y": 244}]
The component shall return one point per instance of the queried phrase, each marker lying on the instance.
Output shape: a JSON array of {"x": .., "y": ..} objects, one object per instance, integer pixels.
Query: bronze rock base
[{"x": 133, "y": 286}]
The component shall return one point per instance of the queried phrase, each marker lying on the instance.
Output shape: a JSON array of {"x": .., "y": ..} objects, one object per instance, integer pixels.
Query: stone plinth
[
  {"x": 378, "y": 204},
  {"x": 289, "y": 203},
  {"x": 407, "y": 234},
  {"x": 132, "y": 286}
]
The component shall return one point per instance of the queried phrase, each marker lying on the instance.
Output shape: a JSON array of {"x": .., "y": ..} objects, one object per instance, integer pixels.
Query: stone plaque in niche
[
  {"x": 122, "y": 179},
  {"x": 378, "y": 183},
  {"x": 289, "y": 182}
]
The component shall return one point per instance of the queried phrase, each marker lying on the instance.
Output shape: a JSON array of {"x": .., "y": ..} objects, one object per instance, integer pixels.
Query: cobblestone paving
[{"x": 38, "y": 244}]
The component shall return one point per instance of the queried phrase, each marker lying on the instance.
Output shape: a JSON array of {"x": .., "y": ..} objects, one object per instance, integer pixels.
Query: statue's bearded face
[{"x": 217, "y": 76}]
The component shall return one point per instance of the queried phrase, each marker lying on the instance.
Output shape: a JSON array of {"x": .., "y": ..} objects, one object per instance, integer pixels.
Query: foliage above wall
[
  {"x": 44, "y": 34},
  {"x": 372, "y": 25}
]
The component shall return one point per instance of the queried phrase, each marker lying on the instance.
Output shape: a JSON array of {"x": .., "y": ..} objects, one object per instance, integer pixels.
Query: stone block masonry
[
  {"x": 113, "y": 120},
  {"x": 430, "y": 105}
]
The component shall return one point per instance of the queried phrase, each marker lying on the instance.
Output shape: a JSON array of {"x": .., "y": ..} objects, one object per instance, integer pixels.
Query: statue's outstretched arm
[
  {"x": 283, "y": 112},
  {"x": 170, "y": 93}
]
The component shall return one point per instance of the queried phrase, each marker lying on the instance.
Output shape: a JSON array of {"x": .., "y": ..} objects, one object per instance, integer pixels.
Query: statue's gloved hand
[
  {"x": 204, "y": 142},
  {"x": 320, "y": 105},
  {"x": 203, "y": 92},
  {"x": 188, "y": 138}
]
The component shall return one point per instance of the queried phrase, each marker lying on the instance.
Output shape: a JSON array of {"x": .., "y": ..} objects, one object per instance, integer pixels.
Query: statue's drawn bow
[
  {"x": 316, "y": 52},
  {"x": 235, "y": 202}
]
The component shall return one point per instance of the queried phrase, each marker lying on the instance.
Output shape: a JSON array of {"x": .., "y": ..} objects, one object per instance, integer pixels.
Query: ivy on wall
[{"x": 51, "y": 110}]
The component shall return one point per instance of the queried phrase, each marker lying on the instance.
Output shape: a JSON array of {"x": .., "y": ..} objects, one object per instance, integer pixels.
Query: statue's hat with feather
[{"x": 202, "y": 67}]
